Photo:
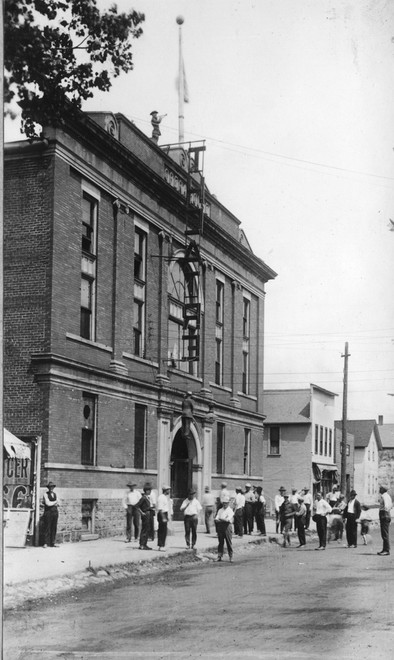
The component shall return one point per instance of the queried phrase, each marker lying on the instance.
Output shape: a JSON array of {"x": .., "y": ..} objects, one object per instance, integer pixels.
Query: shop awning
[
  {"x": 15, "y": 447},
  {"x": 319, "y": 468}
]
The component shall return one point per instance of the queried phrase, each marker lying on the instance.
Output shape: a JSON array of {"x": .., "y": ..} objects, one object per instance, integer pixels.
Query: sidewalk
[{"x": 36, "y": 572}]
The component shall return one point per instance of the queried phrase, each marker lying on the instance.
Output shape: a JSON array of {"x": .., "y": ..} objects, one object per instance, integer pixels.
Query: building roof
[
  {"x": 362, "y": 430},
  {"x": 287, "y": 406},
  {"x": 386, "y": 432}
]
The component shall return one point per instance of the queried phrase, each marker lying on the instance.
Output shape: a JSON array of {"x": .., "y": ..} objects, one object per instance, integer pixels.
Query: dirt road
[{"x": 270, "y": 603}]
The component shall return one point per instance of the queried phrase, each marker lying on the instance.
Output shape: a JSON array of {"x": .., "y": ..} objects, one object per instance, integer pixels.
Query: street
[{"x": 270, "y": 603}]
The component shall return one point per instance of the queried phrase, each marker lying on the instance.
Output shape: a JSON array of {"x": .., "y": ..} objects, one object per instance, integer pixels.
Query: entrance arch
[{"x": 185, "y": 455}]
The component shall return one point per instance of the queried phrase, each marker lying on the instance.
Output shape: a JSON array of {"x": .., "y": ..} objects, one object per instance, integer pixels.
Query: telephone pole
[{"x": 344, "y": 420}]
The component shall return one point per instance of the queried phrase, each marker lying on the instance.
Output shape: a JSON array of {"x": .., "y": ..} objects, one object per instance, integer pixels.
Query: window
[
  {"x": 88, "y": 515},
  {"x": 325, "y": 441},
  {"x": 219, "y": 333},
  {"x": 139, "y": 292},
  {"x": 140, "y": 437},
  {"x": 274, "y": 441},
  {"x": 184, "y": 319},
  {"x": 247, "y": 454},
  {"x": 321, "y": 440},
  {"x": 330, "y": 443},
  {"x": 88, "y": 266},
  {"x": 245, "y": 345},
  {"x": 220, "y": 448},
  {"x": 316, "y": 439},
  {"x": 88, "y": 434}
]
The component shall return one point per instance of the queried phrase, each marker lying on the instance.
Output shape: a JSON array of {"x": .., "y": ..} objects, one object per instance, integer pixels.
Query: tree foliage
[{"x": 57, "y": 53}]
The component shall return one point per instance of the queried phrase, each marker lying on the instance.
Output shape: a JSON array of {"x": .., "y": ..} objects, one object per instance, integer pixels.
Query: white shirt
[
  {"x": 322, "y": 508},
  {"x": 385, "y": 502},
  {"x": 261, "y": 499},
  {"x": 239, "y": 501},
  {"x": 131, "y": 498},
  {"x": 308, "y": 498},
  {"x": 278, "y": 502},
  {"x": 250, "y": 496},
  {"x": 294, "y": 498},
  {"x": 350, "y": 506},
  {"x": 224, "y": 493},
  {"x": 164, "y": 503},
  {"x": 51, "y": 503},
  {"x": 225, "y": 514},
  {"x": 191, "y": 507},
  {"x": 208, "y": 499}
]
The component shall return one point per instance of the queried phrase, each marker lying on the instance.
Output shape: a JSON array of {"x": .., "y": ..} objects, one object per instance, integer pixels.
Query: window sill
[
  {"x": 247, "y": 396},
  {"x": 179, "y": 372},
  {"x": 220, "y": 387},
  {"x": 97, "y": 468},
  {"x": 137, "y": 358},
  {"x": 274, "y": 455},
  {"x": 88, "y": 342}
]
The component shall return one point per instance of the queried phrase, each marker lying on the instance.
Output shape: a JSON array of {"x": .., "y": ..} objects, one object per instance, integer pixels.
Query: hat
[
  {"x": 294, "y": 489},
  {"x": 248, "y": 485},
  {"x": 352, "y": 492},
  {"x": 300, "y": 499},
  {"x": 131, "y": 485},
  {"x": 224, "y": 485},
  {"x": 225, "y": 499},
  {"x": 147, "y": 486},
  {"x": 285, "y": 494},
  {"x": 384, "y": 487},
  {"x": 192, "y": 492},
  {"x": 166, "y": 488},
  {"x": 259, "y": 488},
  {"x": 282, "y": 488},
  {"x": 51, "y": 485},
  {"x": 238, "y": 489},
  {"x": 154, "y": 112},
  {"x": 306, "y": 487}
]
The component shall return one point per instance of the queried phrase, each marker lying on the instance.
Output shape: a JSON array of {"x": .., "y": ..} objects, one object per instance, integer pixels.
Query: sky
[{"x": 295, "y": 100}]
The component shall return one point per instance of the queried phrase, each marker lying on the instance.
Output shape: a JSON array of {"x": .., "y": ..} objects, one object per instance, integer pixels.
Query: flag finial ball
[{"x": 180, "y": 20}]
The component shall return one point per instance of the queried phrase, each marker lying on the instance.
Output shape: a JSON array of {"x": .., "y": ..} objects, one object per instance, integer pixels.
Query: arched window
[{"x": 182, "y": 291}]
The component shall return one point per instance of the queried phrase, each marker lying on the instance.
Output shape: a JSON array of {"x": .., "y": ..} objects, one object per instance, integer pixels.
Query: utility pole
[{"x": 344, "y": 420}]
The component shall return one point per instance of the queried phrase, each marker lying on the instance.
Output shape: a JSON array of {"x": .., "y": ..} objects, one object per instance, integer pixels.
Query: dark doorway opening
[{"x": 181, "y": 472}]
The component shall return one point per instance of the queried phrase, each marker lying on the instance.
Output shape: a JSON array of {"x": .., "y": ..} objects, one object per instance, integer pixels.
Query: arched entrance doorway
[{"x": 181, "y": 461}]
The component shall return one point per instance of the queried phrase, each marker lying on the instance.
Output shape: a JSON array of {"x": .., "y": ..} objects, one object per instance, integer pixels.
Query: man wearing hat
[
  {"x": 164, "y": 514},
  {"x": 300, "y": 516},
  {"x": 51, "y": 514},
  {"x": 385, "y": 505},
  {"x": 191, "y": 508},
  {"x": 239, "y": 512},
  {"x": 144, "y": 506},
  {"x": 286, "y": 514},
  {"x": 278, "y": 503},
  {"x": 294, "y": 501},
  {"x": 223, "y": 520},
  {"x": 250, "y": 500},
  {"x": 260, "y": 510},
  {"x": 322, "y": 510},
  {"x": 352, "y": 513},
  {"x": 130, "y": 501},
  {"x": 308, "y": 501},
  {"x": 208, "y": 503}
]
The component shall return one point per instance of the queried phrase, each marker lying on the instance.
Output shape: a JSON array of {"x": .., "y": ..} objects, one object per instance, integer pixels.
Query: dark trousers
[
  {"x": 308, "y": 516},
  {"x": 260, "y": 521},
  {"x": 151, "y": 533},
  {"x": 50, "y": 525},
  {"x": 321, "y": 526},
  {"x": 225, "y": 533},
  {"x": 239, "y": 522},
  {"x": 385, "y": 520},
  {"x": 162, "y": 519},
  {"x": 145, "y": 526},
  {"x": 208, "y": 513},
  {"x": 132, "y": 519},
  {"x": 248, "y": 518},
  {"x": 190, "y": 523},
  {"x": 301, "y": 530},
  {"x": 351, "y": 529}
]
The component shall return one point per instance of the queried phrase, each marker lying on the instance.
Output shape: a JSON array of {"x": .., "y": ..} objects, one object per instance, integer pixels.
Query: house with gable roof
[
  {"x": 386, "y": 454},
  {"x": 298, "y": 444},
  {"x": 367, "y": 445}
]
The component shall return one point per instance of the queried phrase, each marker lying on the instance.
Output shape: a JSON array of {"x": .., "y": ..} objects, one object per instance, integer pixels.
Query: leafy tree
[{"x": 56, "y": 53}]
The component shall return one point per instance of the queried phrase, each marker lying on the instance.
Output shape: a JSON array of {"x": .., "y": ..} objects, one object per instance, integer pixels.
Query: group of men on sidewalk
[{"x": 248, "y": 505}]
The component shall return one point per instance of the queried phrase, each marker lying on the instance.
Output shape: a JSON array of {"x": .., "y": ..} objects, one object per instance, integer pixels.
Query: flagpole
[{"x": 181, "y": 85}]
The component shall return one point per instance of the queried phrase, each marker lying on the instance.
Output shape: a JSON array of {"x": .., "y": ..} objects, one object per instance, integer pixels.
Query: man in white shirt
[
  {"x": 223, "y": 520},
  {"x": 332, "y": 497},
  {"x": 322, "y": 509},
  {"x": 50, "y": 518},
  {"x": 191, "y": 508},
  {"x": 239, "y": 512},
  {"x": 294, "y": 502},
  {"x": 208, "y": 503},
  {"x": 385, "y": 505},
  {"x": 352, "y": 513},
  {"x": 308, "y": 501},
  {"x": 279, "y": 499},
  {"x": 133, "y": 517},
  {"x": 250, "y": 499},
  {"x": 164, "y": 513}
]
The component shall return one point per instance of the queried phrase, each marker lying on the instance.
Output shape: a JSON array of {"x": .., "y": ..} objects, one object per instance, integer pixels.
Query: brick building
[{"x": 128, "y": 286}]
